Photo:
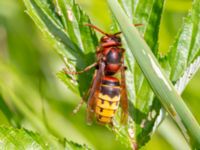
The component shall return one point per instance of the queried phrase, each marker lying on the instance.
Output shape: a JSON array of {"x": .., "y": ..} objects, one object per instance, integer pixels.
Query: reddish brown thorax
[
  {"x": 110, "y": 40},
  {"x": 110, "y": 46}
]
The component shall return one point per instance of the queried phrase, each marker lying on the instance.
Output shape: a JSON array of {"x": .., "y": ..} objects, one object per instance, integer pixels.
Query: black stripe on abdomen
[{"x": 110, "y": 90}]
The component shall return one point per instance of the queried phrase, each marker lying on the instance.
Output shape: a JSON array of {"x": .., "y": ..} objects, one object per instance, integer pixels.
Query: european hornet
[{"x": 106, "y": 91}]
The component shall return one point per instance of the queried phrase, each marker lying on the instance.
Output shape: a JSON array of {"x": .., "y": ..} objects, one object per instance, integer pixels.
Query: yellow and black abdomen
[{"x": 108, "y": 99}]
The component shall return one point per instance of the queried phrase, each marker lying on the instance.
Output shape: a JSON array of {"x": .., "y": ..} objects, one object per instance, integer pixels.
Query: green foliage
[
  {"x": 185, "y": 48},
  {"x": 63, "y": 24},
  {"x": 168, "y": 98},
  {"x": 69, "y": 145},
  {"x": 12, "y": 138},
  {"x": 175, "y": 63},
  {"x": 16, "y": 94},
  {"x": 6, "y": 110},
  {"x": 30, "y": 89},
  {"x": 15, "y": 139}
]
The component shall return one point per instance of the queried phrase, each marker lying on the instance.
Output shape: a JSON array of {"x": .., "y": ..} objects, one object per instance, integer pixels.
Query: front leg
[{"x": 82, "y": 71}]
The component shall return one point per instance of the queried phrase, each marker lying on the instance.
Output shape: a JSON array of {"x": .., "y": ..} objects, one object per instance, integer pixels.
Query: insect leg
[
  {"x": 138, "y": 24},
  {"x": 77, "y": 108},
  {"x": 84, "y": 99},
  {"x": 82, "y": 71}
]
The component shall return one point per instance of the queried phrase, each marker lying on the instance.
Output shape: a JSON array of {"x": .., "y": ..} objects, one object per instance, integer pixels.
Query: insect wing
[
  {"x": 94, "y": 91},
  {"x": 124, "y": 98}
]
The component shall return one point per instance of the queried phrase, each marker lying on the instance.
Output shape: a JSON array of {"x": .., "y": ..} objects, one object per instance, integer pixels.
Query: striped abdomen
[{"x": 108, "y": 99}]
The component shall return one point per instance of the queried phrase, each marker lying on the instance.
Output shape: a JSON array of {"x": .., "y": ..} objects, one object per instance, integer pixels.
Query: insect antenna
[
  {"x": 99, "y": 30},
  {"x": 136, "y": 25},
  {"x": 96, "y": 28},
  {"x": 118, "y": 33}
]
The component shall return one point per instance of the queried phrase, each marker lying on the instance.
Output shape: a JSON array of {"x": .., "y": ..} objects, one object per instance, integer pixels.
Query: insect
[{"x": 106, "y": 91}]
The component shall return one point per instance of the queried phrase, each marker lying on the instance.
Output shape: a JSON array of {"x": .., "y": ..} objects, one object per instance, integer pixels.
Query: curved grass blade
[
  {"x": 162, "y": 87},
  {"x": 143, "y": 135},
  {"x": 7, "y": 112},
  {"x": 183, "y": 58},
  {"x": 140, "y": 94},
  {"x": 172, "y": 135}
]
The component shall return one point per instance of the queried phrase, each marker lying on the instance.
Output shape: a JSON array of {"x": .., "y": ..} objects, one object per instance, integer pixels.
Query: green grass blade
[
  {"x": 142, "y": 99},
  {"x": 180, "y": 87},
  {"x": 7, "y": 111},
  {"x": 182, "y": 61},
  {"x": 156, "y": 77},
  {"x": 169, "y": 131}
]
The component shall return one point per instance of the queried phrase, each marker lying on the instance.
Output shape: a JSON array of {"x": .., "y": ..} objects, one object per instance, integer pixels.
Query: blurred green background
[{"x": 28, "y": 67}]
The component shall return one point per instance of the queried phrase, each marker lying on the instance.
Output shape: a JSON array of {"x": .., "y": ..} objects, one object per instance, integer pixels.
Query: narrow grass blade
[
  {"x": 141, "y": 97},
  {"x": 156, "y": 77}
]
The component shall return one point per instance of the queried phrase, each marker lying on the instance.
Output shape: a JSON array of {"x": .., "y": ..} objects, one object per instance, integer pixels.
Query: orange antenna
[
  {"x": 99, "y": 30},
  {"x": 136, "y": 25},
  {"x": 118, "y": 33},
  {"x": 96, "y": 28}
]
